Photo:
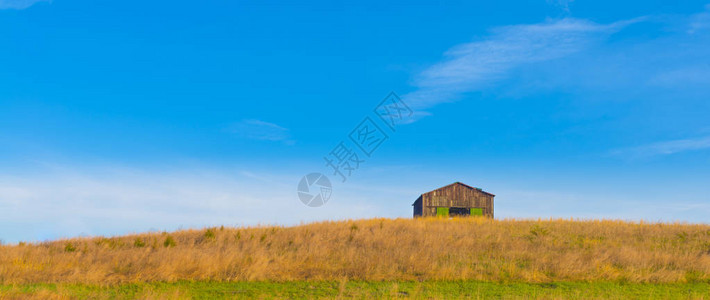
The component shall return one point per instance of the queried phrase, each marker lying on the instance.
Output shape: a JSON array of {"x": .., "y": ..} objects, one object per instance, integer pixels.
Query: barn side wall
[
  {"x": 418, "y": 207},
  {"x": 456, "y": 196}
]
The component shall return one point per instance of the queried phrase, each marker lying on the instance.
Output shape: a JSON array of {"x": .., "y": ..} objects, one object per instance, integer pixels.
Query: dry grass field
[{"x": 474, "y": 249}]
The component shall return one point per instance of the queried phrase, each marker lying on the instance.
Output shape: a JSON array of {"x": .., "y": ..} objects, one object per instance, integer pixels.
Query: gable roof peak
[{"x": 462, "y": 184}]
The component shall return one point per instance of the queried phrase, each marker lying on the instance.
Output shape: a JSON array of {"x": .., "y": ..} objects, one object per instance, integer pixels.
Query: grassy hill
[{"x": 400, "y": 251}]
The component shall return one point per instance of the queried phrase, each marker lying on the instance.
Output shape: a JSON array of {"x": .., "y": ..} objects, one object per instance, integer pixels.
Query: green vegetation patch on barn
[{"x": 360, "y": 289}]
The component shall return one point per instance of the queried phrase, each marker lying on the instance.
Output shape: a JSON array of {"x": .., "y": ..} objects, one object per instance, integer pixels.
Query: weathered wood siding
[{"x": 455, "y": 195}]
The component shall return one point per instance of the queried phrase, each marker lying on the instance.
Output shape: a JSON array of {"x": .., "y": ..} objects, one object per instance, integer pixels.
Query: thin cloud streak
[
  {"x": 691, "y": 76},
  {"x": 700, "y": 21},
  {"x": 261, "y": 130},
  {"x": 665, "y": 147},
  {"x": 19, "y": 4},
  {"x": 477, "y": 65}
]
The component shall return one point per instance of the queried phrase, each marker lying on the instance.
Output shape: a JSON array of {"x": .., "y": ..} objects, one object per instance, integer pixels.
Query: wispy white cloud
[
  {"x": 261, "y": 130},
  {"x": 700, "y": 21},
  {"x": 697, "y": 75},
  {"x": 65, "y": 202},
  {"x": 665, "y": 147},
  {"x": 562, "y": 4},
  {"x": 19, "y": 4},
  {"x": 668, "y": 64},
  {"x": 477, "y": 65}
]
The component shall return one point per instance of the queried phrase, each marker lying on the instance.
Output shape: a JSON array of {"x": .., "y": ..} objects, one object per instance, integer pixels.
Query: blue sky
[{"x": 126, "y": 116}]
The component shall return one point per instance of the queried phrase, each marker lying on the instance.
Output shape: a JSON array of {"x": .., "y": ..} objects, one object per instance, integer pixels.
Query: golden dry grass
[{"x": 377, "y": 249}]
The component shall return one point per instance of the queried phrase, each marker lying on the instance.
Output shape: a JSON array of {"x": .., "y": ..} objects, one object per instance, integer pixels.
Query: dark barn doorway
[{"x": 459, "y": 211}]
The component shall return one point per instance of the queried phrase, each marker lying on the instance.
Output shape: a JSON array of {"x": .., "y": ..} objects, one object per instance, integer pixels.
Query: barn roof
[
  {"x": 462, "y": 184},
  {"x": 466, "y": 185}
]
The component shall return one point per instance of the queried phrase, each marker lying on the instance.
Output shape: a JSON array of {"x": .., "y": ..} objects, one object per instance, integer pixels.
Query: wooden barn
[{"x": 456, "y": 199}]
